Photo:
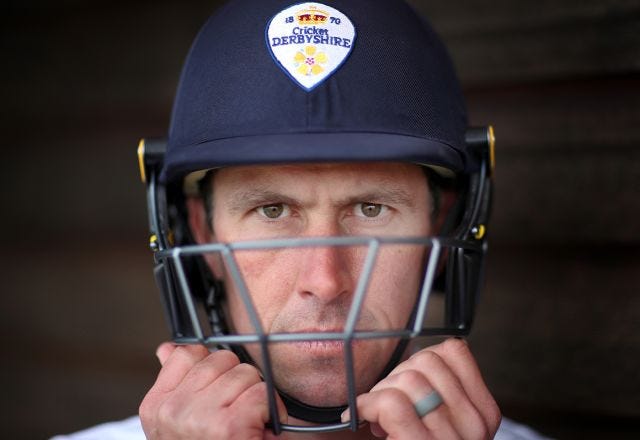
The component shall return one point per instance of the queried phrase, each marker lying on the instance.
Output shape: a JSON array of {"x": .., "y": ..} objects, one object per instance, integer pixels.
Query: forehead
[{"x": 325, "y": 174}]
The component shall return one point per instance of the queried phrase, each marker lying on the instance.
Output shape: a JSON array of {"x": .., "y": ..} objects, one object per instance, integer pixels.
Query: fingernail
[{"x": 345, "y": 416}]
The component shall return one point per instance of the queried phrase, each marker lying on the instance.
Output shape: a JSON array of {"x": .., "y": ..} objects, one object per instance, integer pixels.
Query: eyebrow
[
  {"x": 383, "y": 196},
  {"x": 241, "y": 200}
]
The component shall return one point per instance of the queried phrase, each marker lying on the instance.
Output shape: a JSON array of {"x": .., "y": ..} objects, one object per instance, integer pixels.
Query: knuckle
[
  {"x": 191, "y": 351},
  {"x": 217, "y": 363},
  {"x": 167, "y": 412},
  {"x": 494, "y": 418},
  {"x": 424, "y": 358},
  {"x": 146, "y": 408},
  {"x": 482, "y": 431},
  {"x": 176, "y": 422},
  {"x": 226, "y": 356},
  {"x": 193, "y": 425},
  {"x": 217, "y": 426},
  {"x": 411, "y": 379},
  {"x": 455, "y": 346},
  {"x": 257, "y": 391},
  {"x": 392, "y": 399},
  {"x": 248, "y": 371},
  {"x": 457, "y": 401},
  {"x": 477, "y": 425},
  {"x": 201, "y": 371}
]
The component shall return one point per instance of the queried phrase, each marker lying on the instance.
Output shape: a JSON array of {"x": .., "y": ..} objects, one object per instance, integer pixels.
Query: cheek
[
  {"x": 395, "y": 285},
  {"x": 214, "y": 261},
  {"x": 266, "y": 278}
]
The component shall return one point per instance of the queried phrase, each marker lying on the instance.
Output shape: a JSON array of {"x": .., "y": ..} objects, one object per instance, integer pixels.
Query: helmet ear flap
[
  {"x": 176, "y": 311},
  {"x": 177, "y": 289},
  {"x": 464, "y": 277},
  {"x": 168, "y": 226},
  {"x": 464, "y": 274}
]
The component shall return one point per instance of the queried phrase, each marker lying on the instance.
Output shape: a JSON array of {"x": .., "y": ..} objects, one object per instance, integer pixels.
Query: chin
[
  {"x": 316, "y": 389},
  {"x": 322, "y": 380}
]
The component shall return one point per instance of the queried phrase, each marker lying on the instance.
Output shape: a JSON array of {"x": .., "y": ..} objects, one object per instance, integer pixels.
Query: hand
[
  {"x": 468, "y": 410},
  {"x": 203, "y": 395}
]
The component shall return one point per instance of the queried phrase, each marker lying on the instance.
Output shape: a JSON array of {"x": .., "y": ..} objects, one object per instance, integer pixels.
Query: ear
[
  {"x": 447, "y": 200},
  {"x": 201, "y": 231}
]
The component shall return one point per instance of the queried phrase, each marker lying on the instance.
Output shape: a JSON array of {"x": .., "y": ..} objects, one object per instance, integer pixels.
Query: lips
[
  {"x": 321, "y": 347},
  {"x": 324, "y": 347}
]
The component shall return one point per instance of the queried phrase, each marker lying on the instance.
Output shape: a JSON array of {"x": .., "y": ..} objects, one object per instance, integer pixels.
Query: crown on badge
[{"x": 313, "y": 15}]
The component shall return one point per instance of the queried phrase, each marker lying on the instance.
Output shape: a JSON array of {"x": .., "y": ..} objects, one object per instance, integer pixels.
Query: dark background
[{"x": 557, "y": 331}]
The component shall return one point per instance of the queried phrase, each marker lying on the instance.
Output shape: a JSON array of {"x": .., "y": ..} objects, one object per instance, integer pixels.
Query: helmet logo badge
[{"x": 309, "y": 42}]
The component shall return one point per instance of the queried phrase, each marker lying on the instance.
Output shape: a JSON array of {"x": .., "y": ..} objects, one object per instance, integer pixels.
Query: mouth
[
  {"x": 319, "y": 341},
  {"x": 321, "y": 347}
]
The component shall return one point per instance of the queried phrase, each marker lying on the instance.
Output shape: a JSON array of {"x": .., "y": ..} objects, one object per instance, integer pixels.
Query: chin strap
[{"x": 309, "y": 413}]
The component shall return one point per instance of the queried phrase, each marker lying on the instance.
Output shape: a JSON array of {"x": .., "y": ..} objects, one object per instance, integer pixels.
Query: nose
[{"x": 325, "y": 273}]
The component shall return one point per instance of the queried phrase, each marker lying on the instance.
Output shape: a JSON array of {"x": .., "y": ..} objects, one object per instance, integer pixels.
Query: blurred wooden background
[{"x": 556, "y": 333}]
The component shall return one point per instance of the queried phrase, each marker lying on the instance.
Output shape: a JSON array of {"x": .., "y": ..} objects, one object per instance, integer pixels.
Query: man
[
  {"x": 318, "y": 183},
  {"x": 213, "y": 395}
]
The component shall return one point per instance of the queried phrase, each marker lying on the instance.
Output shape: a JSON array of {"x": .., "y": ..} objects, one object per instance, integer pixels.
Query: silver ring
[{"x": 428, "y": 403}]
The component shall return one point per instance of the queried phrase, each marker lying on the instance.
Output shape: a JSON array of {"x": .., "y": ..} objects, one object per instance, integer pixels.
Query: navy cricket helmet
[{"x": 272, "y": 82}]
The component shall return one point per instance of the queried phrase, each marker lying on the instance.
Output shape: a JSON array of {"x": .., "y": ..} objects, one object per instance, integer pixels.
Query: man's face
[{"x": 310, "y": 289}]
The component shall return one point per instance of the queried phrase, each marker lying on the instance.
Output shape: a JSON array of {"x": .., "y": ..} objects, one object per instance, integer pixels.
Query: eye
[
  {"x": 370, "y": 209},
  {"x": 273, "y": 211}
]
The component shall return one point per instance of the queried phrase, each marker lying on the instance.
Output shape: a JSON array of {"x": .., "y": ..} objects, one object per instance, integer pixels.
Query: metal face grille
[{"x": 436, "y": 250}]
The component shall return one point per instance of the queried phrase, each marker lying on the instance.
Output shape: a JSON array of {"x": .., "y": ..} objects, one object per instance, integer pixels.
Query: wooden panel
[
  {"x": 598, "y": 112},
  {"x": 568, "y": 166},
  {"x": 80, "y": 325},
  {"x": 105, "y": 59},
  {"x": 85, "y": 189},
  {"x": 528, "y": 40},
  {"x": 556, "y": 333}
]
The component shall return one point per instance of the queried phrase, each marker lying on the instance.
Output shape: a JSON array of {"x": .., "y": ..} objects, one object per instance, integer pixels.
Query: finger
[
  {"x": 416, "y": 386},
  {"x": 206, "y": 371},
  {"x": 231, "y": 384},
  {"x": 253, "y": 403},
  {"x": 464, "y": 415},
  {"x": 174, "y": 368},
  {"x": 177, "y": 365},
  {"x": 164, "y": 350},
  {"x": 393, "y": 411},
  {"x": 457, "y": 355},
  {"x": 412, "y": 382},
  {"x": 200, "y": 416}
]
